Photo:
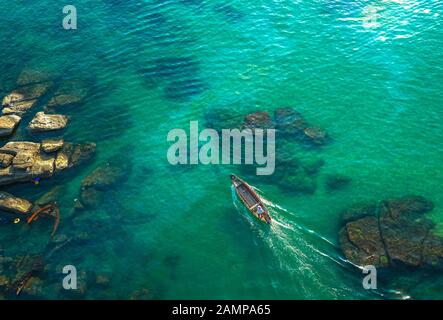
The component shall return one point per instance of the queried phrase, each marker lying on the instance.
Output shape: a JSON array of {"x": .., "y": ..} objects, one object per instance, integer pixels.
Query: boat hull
[{"x": 251, "y": 200}]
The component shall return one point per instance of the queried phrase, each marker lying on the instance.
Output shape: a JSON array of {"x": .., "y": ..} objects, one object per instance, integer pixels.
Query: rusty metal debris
[{"x": 51, "y": 210}]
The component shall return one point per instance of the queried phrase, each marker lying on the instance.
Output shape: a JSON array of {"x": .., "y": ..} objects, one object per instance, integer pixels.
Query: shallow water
[{"x": 151, "y": 66}]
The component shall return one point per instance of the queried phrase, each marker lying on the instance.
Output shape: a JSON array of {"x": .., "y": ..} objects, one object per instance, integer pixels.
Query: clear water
[{"x": 179, "y": 232}]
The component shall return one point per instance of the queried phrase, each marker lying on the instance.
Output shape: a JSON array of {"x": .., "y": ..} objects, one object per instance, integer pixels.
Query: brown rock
[
  {"x": 30, "y": 161},
  {"x": 52, "y": 145},
  {"x": 13, "y": 204},
  {"x": 362, "y": 244},
  {"x": 17, "y": 103},
  {"x": 402, "y": 235},
  {"x": 5, "y": 160},
  {"x": 74, "y": 154},
  {"x": 8, "y": 124},
  {"x": 48, "y": 122}
]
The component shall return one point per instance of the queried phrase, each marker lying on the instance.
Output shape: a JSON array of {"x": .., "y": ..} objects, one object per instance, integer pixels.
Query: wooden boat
[{"x": 251, "y": 199}]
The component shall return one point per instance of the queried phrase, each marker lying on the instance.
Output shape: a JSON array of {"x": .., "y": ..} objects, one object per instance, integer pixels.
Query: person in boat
[{"x": 260, "y": 210}]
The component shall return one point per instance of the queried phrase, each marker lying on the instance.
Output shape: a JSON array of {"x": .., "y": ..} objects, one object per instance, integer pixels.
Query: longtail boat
[{"x": 251, "y": 199}]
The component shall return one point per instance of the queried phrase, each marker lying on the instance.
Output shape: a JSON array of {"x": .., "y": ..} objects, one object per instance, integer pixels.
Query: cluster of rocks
[
  {"x": 393, "y": 233},
  {"x": 288, "y": 122},
  {"x": 21, "y": 274},
  {"x": 23, "y": 161},
  {"x": 291, "y": 172},
  {"x": 28, "y": 161},
  {"x": 32, "y": 86}
]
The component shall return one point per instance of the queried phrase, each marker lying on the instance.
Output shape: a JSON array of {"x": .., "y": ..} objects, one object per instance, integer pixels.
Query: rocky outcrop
[
  {"x": 48, "y": 122},
  {"x": 52, "y": 145},
  {"x": 31, "y": 86},
  {"x": 392, "y": 234},
  {"x": 13, "y": 204},
  {"x": 30, "y": 161},
  {"x": 8, "y": 124}
]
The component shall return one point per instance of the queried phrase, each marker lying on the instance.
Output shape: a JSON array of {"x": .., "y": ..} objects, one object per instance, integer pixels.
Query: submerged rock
[
  {"x": 95, "y": 185},
  {"x": 289, "y": 121},
  {"x": 31, "y": 86},
  {"x": 336, "y": 181},
  {"x": 219, "y": 119},
  {"x": 103, "y": 177},
  {"x": 298, "y": 182},
  {"x": 48, "y": 122},
  {"x": 291, "y": 124},
  {"x": 393, "y": 234},
  {"x": 258, "y": 120},
  {"x": 8, "y": 124},
  {"x": 13, "y": 204},
  {"x": 315, "y": 135},
  {"x": 50, "y": 197},
  {"x": 63, "y": 99}
]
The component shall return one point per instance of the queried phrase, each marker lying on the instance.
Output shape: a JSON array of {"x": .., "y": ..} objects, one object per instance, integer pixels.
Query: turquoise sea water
[{"x": 168, "y": 232}]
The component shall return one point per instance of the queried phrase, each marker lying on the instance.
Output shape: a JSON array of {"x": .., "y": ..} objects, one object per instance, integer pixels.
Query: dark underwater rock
[
  {"x": 315, "y": 135},
  {"x": 219, "y": 119},
  {"x": 362, "y": 243},
  {"x": 103, "y": 177},
  {"x": 298, "y": 182},
  {"x": 258, "y": 120},
  {"x": 289, "y": 121},
  {"x": 91, "y": 198},
  {"x": 229, "y": 12},
  {"x": 358, "y": 211},
  {"x": 313, "y": 167},
  {"x": 291, "y": 124},
  {"x": 95, "y": 186},
  {"x": 179, "y": 76},
  {"x": 50, "y": 197},
  {"x": 396, "y": 235},
  {"x": 336, "y": 181}
]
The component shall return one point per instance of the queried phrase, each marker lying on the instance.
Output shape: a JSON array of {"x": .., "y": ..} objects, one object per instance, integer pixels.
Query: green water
[{"x": 178, "y": 231}]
